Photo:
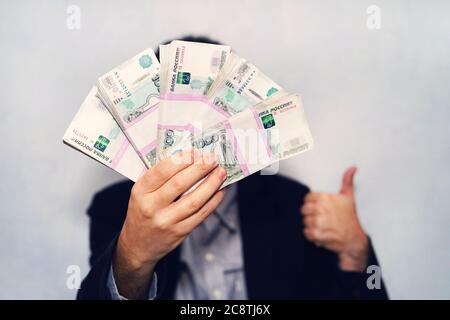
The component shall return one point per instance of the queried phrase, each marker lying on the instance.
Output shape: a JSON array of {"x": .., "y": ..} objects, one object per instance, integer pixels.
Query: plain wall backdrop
[{"x": 379, "y": 99}]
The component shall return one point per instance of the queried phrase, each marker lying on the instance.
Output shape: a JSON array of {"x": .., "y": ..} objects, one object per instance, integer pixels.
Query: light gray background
[{"x": 378, "y": 99}]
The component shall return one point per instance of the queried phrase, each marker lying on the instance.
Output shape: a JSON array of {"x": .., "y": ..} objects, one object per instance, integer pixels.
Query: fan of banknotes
[{"x": 200, "y": 96}]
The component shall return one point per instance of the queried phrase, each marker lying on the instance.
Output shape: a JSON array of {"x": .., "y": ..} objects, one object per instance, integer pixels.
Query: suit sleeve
[
  {"x": 355, "y": 284},
  {"x": 106, "y": 220},
  {"x": 94, "y": 286},
  {"x": 328, "y": 281},
  {"x": 107, "y": 214}
]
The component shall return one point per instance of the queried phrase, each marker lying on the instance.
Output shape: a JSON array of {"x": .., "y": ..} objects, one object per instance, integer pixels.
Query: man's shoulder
[
  {"x": 117, "y": 190},
  {"x": 112, "y": 197},
  {"x": 276, "y": 183}
]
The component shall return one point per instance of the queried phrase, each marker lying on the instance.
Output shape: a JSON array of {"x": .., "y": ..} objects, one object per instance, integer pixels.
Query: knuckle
[
  {"x": 193, "y": 204},
  {"x": 185, "y": 231},
  {"x": 156, "y": 172},
  {"x": 146, "y": 210},
  {"x": 178, "y": 231},
  {"x": 173, "y": 231},
  {"x": 204, "y": 166},
  {"x": 311, "y": 195},
  {"x": 209, "y": 206},
  {"x": 134, "y": 195},
  {"x": 310, "y": 208},
  {"x": 160, "y": 224},
  {"x": 307, "y": 233},
  {"x": 313, "y": 222},
  {"x": 177, "y": 185},
  {"x": 318, "y": 222},
  {"x": 203, "y": 212},
  {"x": 322, "y": 196},
  {"x": 314, "y": 233},
  {"x": 336, "y": 197}
]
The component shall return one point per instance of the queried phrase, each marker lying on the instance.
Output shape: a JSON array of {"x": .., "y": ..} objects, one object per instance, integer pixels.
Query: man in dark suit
[
  {"x": 269, "y": 237},
  {"x": 272, "y": 240}
]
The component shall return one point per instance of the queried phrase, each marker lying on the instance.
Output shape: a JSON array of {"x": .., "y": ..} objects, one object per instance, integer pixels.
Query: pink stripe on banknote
[
  {"x": 187, "y": 97},
  {"x": 144, "y": 115},
  {"x": 193, "y": 129},
  {"x": 222, "y": 112},
  {"x": 144, "y": 151},
  {"x": 188, "y": 127},
  {"x": 182, "y": 97},
  {"x": 176, "y": 127},
  {"x": 123, "y": 148},
  {"x": 236, "y": 150}
]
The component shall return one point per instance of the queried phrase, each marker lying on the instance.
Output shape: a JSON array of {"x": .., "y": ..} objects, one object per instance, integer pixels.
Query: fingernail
[{"x": 222, "y": 173}]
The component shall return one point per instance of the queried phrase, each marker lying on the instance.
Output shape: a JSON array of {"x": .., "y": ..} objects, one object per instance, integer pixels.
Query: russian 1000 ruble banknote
[
  {"x": 253, "y": 139},
  {"x": 187, "y": 71},
  {"x": 200, "y": 96},
  {"x": 240, "y": 85},
  {"x": 131, "y": 93},
  {"x": 95, "y": 133}
]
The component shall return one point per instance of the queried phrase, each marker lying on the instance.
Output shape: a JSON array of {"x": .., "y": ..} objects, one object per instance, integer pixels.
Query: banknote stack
[{"x": 200, "y": 96}]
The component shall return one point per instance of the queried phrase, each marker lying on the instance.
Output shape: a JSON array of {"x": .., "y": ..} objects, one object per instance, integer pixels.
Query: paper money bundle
[{"x": 200, "y": 96}]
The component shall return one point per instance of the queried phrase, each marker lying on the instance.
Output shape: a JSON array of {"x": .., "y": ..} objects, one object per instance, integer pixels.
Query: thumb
[{"x": 347, "y": 181}]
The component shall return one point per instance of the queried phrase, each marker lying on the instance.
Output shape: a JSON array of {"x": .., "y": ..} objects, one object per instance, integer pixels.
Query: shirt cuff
[{"x": 115, "y": 295}]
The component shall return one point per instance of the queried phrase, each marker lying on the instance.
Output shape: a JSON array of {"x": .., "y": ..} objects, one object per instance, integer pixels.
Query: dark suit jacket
[{"x": 279, "y": 262}]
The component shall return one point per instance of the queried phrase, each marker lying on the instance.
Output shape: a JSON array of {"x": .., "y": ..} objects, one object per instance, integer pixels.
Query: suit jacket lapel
[
  {"x": 271, "y": 238},
  {"x": 255, "y": 208}
]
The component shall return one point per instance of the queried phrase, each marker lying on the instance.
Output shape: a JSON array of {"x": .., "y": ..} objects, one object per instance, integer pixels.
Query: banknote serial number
[{"x": 251, "y": 310}]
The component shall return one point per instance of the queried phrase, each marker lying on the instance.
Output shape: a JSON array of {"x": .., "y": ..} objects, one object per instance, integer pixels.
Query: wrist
[
  {"x": 126, "y": 256},
  {"x": 355, "y": 256},
  {"x": 132, "y": 276}
]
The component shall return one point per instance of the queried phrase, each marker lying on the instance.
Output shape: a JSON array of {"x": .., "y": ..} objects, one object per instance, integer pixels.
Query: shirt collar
[{"x": 223, "y": 216}]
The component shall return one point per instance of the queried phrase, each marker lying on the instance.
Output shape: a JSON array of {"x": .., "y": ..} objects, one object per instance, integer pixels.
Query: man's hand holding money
[{"x": 160, "y": 216}]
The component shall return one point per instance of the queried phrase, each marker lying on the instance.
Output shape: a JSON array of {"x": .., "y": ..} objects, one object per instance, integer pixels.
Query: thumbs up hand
[{"x": 331, "y": 221}]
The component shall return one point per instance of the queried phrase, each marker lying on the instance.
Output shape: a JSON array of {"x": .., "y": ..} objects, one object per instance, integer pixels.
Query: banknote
[
  {"x": 188, "y": 70},
  {"x": 282, "y": 120},
  {"x": 255, "y": 138},
  {"x": 131, "y": 93},
  {"x": 172, "y": 139},
  {"x": 222, "y": 142},
  {"x": 192, "y": 67},
  {"x": 240, "y": 85},
  {"x": 200, "y": 96},
  {"x": 163, "y": 60},
  {"x": 95, "y": 133}
]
